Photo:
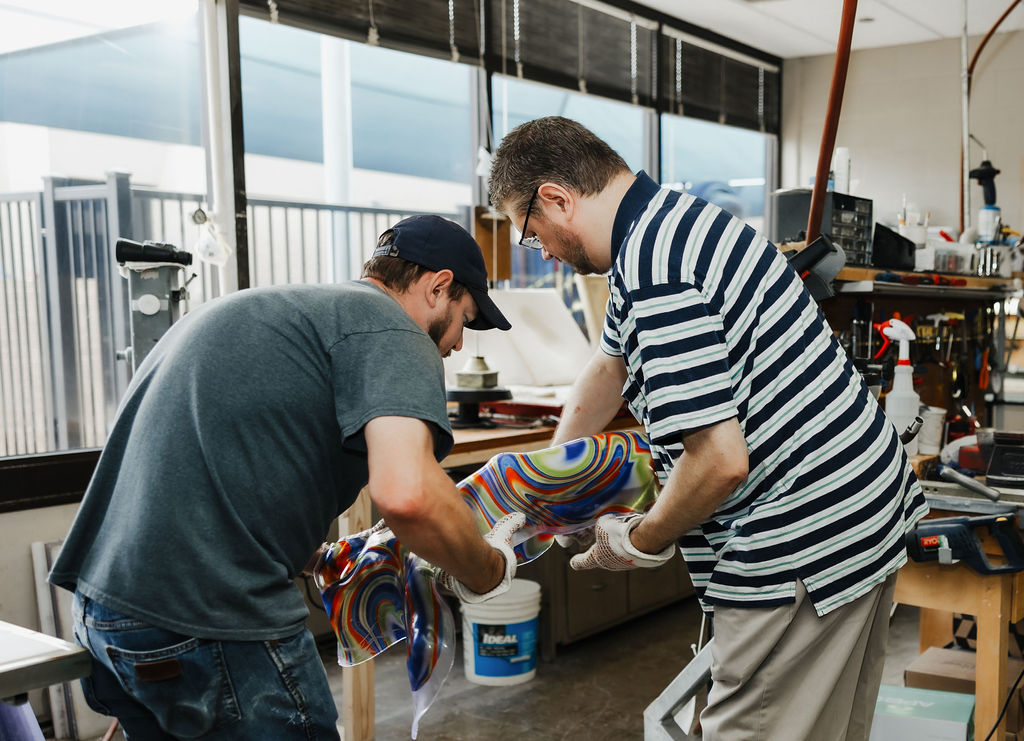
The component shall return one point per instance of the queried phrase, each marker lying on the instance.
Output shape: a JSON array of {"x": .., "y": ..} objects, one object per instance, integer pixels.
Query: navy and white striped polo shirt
[{"x": 712, "y": 323}]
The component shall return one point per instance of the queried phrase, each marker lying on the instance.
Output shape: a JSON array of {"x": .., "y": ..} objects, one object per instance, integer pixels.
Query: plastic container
[
  {"x": 499, "y": 636},
  {"x": 929, "y": 439},
  {"x": 988, "y": 223},
  {"x": 841, "y": 169},
  {"x": 902, "y": 403}
]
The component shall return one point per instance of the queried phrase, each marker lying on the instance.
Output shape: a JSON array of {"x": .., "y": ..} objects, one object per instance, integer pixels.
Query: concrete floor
[{"x": 595, "y": 689}]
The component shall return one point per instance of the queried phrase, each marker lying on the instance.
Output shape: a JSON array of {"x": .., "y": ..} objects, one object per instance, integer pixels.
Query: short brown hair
[
  {"x": 551, "y": 149},
  {"x": 398, "y": 274}
]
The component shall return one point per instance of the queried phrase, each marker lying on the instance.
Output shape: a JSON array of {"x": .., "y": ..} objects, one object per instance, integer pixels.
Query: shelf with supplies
[{"x": 854, "y": 280}]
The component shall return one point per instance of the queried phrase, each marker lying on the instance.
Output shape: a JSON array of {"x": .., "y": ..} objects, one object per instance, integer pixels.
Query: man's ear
[
  {"x": 437, "y": 286},
  {"x": 557, "y": 196}
]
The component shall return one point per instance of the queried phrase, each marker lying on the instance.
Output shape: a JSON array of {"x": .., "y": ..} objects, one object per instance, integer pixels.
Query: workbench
[
  {"x": 994, "y": 600},
  {"x": 474, "y": 447},
  {"x": 31, "y": 660}
]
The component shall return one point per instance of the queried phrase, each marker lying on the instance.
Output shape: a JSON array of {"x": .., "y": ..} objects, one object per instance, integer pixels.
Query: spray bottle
[{"x": 902, "y": 402}]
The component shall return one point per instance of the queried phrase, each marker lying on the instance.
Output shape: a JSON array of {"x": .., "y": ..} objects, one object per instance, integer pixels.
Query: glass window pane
[
  {"x": 621, "y": 125},
  {"x": 100, "y": 129},
  {"x": 724, "y": 165},
  {"x": 342, "y": 140}
]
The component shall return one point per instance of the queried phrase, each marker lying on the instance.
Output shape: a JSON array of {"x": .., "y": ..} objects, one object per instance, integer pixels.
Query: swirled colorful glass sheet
[
  {"x": 377, "y": 593},
  {"x": 564, "y": 488}
]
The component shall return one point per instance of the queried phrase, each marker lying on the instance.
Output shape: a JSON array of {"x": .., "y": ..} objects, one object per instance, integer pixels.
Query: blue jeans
[{"x": 164, "y": 685}]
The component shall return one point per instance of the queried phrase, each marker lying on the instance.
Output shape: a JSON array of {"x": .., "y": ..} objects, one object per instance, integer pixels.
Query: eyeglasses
[{"x": 531, "y": 243}]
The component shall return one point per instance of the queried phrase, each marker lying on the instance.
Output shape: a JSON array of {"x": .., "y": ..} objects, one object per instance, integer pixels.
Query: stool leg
[
  {"x": 993, "y": 645},
  {"x": 109, "y": 735},
  {"x": 18, "y": 723}
]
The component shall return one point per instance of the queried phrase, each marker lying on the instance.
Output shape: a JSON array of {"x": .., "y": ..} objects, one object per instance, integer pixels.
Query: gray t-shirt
[{"x": 237, "y": 443}]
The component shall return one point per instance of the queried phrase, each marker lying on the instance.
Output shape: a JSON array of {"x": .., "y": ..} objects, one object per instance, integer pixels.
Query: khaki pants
[{"x": 785, "y": 674}]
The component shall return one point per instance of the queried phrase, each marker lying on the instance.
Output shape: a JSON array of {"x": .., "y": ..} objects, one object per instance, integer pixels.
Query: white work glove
[
  {"x": 499, "y": 538},
  {"x": 612, "y": 549},
  {"x": 582, "y": 539}
]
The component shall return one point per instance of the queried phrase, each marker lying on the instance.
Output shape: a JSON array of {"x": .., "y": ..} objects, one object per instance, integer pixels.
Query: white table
[{"x": 31, "y": 660}]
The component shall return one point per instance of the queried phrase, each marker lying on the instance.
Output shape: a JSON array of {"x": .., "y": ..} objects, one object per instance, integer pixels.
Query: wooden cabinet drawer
[
  {"x": 650, "y": 587},
  {"x": 594, "y": 599}
]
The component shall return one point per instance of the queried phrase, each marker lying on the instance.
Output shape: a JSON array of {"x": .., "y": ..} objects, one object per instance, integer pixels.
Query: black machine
[
  {"x": 845, "y": 219},
  {"x": 125, "y": 250},
  {"x": 818, "y": 264},
  {"x": 985, "y": 174},
  {"x": 952, "y": 539},
  {"x": 157, "y": 290}
]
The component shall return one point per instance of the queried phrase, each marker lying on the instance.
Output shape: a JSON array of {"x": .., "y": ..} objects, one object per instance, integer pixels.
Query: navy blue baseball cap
[{"x": 439, "y": 244}]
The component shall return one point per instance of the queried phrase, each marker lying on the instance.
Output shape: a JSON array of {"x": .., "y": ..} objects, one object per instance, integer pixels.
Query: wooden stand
[
  {"x": 994, "y": 600},
  {"x": 493, "y": 233},
  {"x": 357, "y": 709}
]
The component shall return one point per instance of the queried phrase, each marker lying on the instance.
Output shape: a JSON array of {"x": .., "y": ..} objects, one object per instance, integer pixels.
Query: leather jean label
[{"x": 158, "y": 671}]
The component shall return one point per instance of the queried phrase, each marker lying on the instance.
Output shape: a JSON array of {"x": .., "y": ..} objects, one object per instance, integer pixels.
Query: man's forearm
[
  {"x": 594, "y": 400},
  {"x": 445, "y": 534},
  {"x": 713, "y": 465}
]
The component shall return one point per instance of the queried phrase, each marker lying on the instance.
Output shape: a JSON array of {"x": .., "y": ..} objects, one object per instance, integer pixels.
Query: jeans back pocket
[{"x": 186, "y": 686}]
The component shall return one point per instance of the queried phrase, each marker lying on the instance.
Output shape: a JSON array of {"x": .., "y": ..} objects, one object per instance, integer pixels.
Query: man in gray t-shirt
[{"x": 253, "y": 423}]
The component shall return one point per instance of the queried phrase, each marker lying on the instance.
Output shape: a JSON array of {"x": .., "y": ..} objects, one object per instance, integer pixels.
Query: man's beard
[
  {"x": 438, "y": 327},
  {"x": 575, "y": 254}
]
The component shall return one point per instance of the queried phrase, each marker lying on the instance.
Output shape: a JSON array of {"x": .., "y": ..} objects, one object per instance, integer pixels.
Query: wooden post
[
  {"x": 957, "y": 588},
  {"x": 936, "y": 628},
  {"x": 993, "y": 638},
  {"x": 357, "y": 711},
  {"x": 493, "y": 233}
]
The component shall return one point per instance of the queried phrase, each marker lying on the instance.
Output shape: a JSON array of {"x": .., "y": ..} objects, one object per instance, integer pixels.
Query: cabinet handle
[{"x": 598, "y": 587}]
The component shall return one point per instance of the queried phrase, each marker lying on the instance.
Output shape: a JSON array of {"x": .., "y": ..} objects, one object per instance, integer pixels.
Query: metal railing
[
  {"x": 64, "y": 316},
  {"x": 296, "y": 242},
  {"x": 24, "y": 340}
]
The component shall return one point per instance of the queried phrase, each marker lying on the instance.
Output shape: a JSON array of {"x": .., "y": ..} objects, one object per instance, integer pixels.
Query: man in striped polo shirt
[{"x": 781, "y": 478}]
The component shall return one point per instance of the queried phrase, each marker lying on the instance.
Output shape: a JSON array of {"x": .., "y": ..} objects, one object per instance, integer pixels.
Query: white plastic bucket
[
  {"x": 930, "y": 436},
  {"x": 499, "y": 636}
]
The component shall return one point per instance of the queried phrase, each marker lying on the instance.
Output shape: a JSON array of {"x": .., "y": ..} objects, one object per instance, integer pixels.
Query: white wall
[
  {"x": 901, "y": 122},
  {"x": 18, "y": 530}
]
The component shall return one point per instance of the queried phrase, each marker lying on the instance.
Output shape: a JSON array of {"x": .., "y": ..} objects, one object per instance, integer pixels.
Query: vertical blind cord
[
  {"x": 580, "y": 59},
  {"x": 515, "y": 37},
  {"x": 632, "y": 62},
  {"x": 451, "y": 31},
  {"x": 679, "y": 76},
  {"x": 760, "y": 97},
  {"x": 372, "y": 36}
]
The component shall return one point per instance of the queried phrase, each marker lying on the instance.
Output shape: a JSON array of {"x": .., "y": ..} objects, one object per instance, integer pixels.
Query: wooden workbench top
[
  {"x": 476, "y": 446},
  {"x": 854, "y": 273}
]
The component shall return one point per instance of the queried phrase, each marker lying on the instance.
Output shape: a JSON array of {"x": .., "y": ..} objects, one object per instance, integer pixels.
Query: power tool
[{"x": 949, "y": 540}]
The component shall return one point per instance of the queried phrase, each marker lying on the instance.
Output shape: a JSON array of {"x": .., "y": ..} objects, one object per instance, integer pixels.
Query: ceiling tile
[{"x": 799, "y": 28}]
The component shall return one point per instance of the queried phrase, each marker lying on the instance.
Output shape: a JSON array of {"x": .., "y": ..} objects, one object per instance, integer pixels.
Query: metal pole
[
  {"x": 835, "y": 104},
  {"x": 965, "y": 144},
  {"x": 224, "y": 146}
]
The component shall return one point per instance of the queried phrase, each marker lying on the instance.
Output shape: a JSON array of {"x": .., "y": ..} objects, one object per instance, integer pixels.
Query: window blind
[
  {"x": 579, "y": 44},
  {"x": 702, "y": 80},
  {"x": 440, "y": 28},
  {"x": 615, "y": 49}
]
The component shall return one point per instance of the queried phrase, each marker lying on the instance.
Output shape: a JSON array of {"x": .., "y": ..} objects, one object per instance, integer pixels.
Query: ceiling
[{"x": 804, "y": 28}]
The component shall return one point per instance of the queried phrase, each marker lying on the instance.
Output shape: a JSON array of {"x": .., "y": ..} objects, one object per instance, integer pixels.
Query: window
[
  {"x": 724, "y": 165},
  {"x": 620, "y": 124},
  {"x": 107, "y": 94},
  {"x": 342, "y": 140}
]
